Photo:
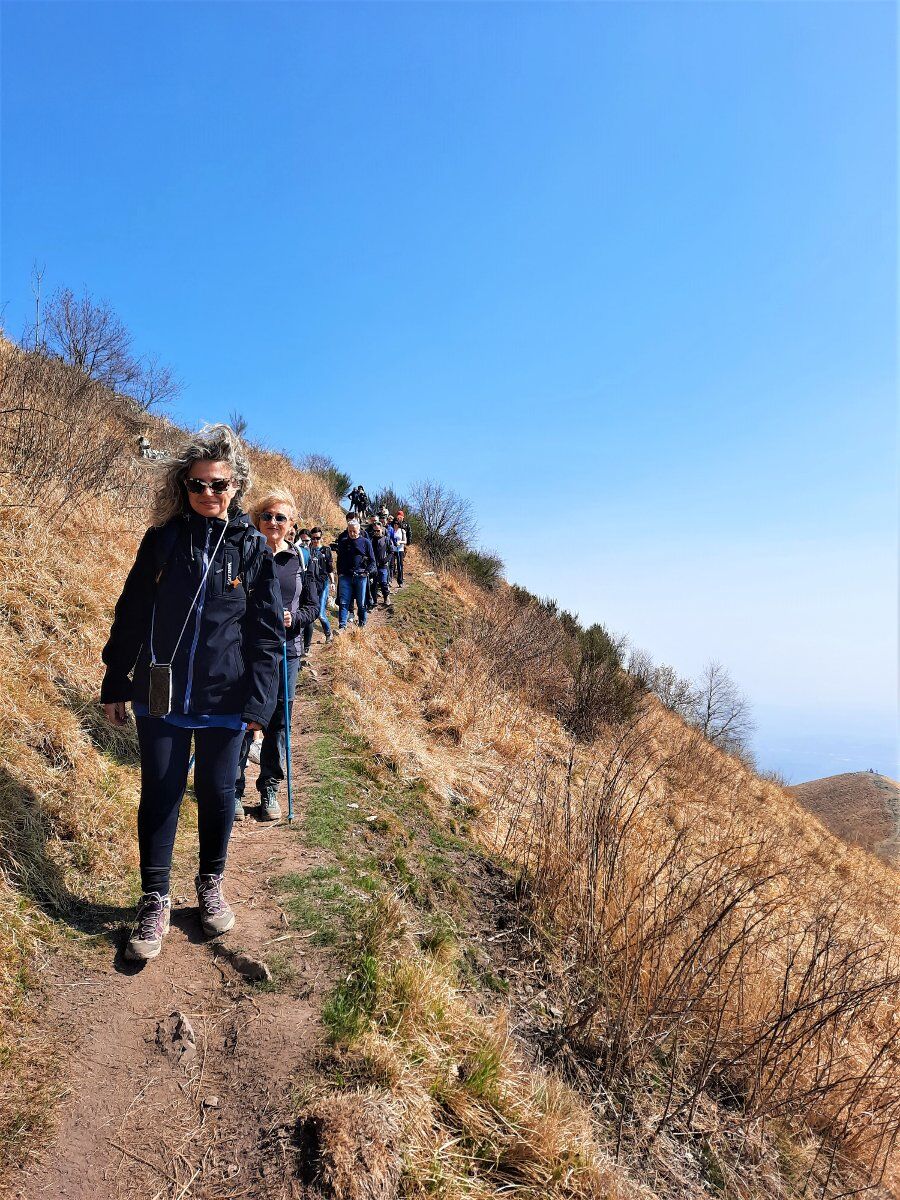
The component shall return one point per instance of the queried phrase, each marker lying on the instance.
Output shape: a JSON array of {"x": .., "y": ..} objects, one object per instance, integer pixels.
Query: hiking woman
[
  {"x": 201, "y": 625},
  {"x": 323, "y": 562},
  {"x": 398, "y": 537},
  {"x": 273, "y": 515}
]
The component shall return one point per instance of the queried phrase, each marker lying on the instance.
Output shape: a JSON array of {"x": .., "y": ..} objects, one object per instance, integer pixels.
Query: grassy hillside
[
  {"x": 618, "y": 964},
  {"x": 860, "y": 807},
  {"x": 718, "y": 974}
]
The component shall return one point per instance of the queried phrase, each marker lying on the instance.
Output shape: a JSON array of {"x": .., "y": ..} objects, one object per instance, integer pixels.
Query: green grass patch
[
  {"x": 426, "y": 615},
  {"x": 348, "y": 1011}
]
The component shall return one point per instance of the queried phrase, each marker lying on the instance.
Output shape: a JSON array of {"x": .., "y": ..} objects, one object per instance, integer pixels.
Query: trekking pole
[{"x": 287, "y": 731}]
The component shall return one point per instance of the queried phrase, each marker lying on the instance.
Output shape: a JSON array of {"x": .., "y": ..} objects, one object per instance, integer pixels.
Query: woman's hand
[
  {"x": 287, "y": 619},
  {"x": 116, "y": 713},
  {"x": 254, "y": 725}
]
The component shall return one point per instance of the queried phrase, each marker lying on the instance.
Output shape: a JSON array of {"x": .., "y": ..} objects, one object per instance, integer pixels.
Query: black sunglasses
[
  {"x": 219, "y": 486},
  {"x": 270, "y": 516}
]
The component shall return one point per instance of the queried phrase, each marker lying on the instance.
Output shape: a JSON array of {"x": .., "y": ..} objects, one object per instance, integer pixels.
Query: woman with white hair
[
  {"x": 195, "y": 647},
  {"x": 274, "y": 515}
]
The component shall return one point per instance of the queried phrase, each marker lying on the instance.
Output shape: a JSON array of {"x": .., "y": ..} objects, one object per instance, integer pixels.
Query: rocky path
[{"x": 183, "y": 1074}]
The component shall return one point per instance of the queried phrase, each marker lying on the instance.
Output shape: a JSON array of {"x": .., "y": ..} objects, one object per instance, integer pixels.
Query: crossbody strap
[{"x": 209, "y": 564}]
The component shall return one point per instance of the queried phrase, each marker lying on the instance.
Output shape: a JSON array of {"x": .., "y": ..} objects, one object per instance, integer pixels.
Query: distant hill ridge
[{"x": 860, "y": 807}]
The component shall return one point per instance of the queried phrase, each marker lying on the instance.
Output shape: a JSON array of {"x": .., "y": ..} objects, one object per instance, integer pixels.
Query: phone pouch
[{"x": 160, "y": 699}]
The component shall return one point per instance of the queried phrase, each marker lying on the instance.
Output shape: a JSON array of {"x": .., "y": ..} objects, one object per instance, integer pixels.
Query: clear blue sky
[{"x": 624, "y": 274}]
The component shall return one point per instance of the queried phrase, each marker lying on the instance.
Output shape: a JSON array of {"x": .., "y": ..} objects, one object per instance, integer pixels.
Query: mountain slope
[{"x": 860, "y": 807}]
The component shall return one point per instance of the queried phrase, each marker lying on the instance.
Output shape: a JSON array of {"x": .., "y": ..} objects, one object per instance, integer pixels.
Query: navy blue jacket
[
  {"x": 229, "y": 657},
  {"x": 355, "y": 556}
]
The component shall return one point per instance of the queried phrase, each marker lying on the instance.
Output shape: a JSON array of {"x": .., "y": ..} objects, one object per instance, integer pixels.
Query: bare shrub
[
  {"x": 722, "y": 713},
  {"x": 678, "y": 694},
  {"x": 63, "y": 436},
  {"x": 88, "y": 335},
  {"x": 445, "y": 522}
]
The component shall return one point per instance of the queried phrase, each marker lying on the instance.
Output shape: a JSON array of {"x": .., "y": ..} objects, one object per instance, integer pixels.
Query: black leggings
[{"x": 165, "y": 754}]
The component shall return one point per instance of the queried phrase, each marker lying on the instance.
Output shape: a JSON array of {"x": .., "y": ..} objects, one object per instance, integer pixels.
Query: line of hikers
[{"x": 213, "y": 625}]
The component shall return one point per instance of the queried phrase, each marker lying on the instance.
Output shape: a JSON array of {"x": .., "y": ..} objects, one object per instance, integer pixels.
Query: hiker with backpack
[
  {"x": 355, "y": 562},
  {"x": 195, "y": 647},
  {"x": 299, "y": 593},
  {"x": 359, "y": 501},
  {"x": 322, "y": 561},
  {"x": 383, "y": 549}
]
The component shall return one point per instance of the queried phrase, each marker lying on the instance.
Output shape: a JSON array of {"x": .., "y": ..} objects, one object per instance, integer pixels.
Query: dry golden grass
[
  {"x": 476, "y": 1120},
  {"x": 695, "y": 906}
]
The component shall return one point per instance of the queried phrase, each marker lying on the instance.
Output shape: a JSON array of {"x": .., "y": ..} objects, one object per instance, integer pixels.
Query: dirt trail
[{"x": 152, "y": 1115}]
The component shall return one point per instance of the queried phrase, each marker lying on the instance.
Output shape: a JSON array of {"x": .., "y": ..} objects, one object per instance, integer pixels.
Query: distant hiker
[
  {"x": 404, "y": 525},
  {"x": 273, "y": 515},
  {"x": 309, "y": 619},
  {"x": 384, "y": 516},
  {"x": 200, "y": 623},
  {"x": 383, "y": 549},
  {"x": 359, "y": 501},
  {"x": 398, "y": 540},
  {"x": 355, "y": 560},
  {"x": 322, "y": 561}
]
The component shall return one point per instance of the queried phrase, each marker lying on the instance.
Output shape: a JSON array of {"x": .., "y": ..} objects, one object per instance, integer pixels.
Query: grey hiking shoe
[
  {"x": 215, "y": 915},
  {"x": 270, "y": 809},
  {"x": 239, "y": 813},
  {"x": 150, "y": 927}
]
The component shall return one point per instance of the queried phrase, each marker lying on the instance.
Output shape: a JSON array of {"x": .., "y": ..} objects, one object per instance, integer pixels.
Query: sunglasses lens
[{"x": 219, "y": 486}]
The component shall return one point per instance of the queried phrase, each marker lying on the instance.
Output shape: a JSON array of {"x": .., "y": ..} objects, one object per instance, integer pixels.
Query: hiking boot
[
  {"x": 329, "y": 637},
  {"x": 255, "y": 748},
  {"x": 239, "y": 813},
  {"x": 151, "y": 925},
  {"x": 270, "y": 809},
  {"x": 215, "y": 915}
]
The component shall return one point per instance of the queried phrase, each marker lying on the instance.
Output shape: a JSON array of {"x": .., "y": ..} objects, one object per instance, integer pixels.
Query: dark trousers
[
  {"x": 380, "y": 584},
  {"x": 398, "y": 566},
  {"x": 272, "y": 752},
  {"x": 165, "y": 754}
]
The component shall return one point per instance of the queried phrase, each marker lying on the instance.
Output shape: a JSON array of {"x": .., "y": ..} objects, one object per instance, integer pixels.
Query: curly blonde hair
[{"x": 214, "y": 443}]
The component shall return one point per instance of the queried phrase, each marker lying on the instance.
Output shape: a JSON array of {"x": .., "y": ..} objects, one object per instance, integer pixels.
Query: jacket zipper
[{"x": 199, "y": 614}]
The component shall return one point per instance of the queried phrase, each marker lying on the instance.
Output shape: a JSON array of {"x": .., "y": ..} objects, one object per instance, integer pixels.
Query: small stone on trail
[
  {"x": 251, "y": 968},
  {"x": 176, "y": 1036},
  {"x": 211, "y": 1102},
  {"x": 353, "y": 806}
]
